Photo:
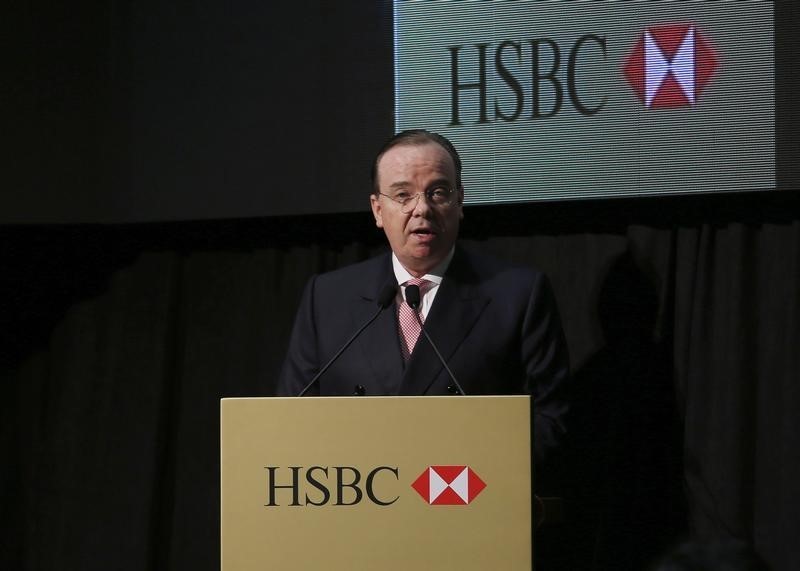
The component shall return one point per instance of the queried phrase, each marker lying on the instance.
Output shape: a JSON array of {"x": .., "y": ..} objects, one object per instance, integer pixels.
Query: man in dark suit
[{"x": 496, "y": 325}]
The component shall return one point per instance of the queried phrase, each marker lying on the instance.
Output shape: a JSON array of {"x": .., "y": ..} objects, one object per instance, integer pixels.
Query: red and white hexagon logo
[
  {"x": 670, "y": 65},
  {"x": 448, "y": 485}
]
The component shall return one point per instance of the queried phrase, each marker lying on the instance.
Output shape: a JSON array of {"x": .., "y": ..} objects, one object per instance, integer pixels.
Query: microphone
[
  {"x": 385, "y": 298},
  {"x": 413, "y": 299}
]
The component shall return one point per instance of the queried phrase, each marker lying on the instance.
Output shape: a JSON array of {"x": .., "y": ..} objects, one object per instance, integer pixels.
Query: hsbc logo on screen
[
  {"x": 297, "y": 486},
  {"x": 668, "y": 66}
]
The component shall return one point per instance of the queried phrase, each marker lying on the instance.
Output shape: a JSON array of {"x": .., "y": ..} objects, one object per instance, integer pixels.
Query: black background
[{"x": 142, "y": 111}]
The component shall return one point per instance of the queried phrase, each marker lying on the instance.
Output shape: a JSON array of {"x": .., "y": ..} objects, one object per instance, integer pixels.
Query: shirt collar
[{"x": 435, "y": 275}]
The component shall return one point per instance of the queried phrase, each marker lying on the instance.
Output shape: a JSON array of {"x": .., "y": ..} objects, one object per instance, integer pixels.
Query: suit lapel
[
  {"x": 458, "y": 304},
  {"x": 379, "y": 344}
]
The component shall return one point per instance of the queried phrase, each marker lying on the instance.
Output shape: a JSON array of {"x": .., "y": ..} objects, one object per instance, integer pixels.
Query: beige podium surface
[{"x": 386, "y": 483}]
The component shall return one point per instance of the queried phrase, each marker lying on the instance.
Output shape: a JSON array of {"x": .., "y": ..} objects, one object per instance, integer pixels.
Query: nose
[{"x": 421, "y": 205}]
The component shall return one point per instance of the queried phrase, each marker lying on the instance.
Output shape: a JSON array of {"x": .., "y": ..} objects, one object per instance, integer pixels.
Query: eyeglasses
[{"x": 440, "y": 196}]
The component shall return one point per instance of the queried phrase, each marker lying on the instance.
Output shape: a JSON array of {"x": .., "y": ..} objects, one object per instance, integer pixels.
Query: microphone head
[
  {"x": 386, "y": 296},
  {"x": 412, "y": 296}
]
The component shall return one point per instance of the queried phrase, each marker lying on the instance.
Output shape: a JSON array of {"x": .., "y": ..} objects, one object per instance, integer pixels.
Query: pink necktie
[{"x": 408, "y": 324}]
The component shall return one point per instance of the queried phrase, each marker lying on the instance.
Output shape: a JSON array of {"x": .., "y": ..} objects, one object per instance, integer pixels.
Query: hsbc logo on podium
[
  {"x": 670, "y": 65},
  {"x": 296, "y": 486},
  {"x": 448, "y": 485}
]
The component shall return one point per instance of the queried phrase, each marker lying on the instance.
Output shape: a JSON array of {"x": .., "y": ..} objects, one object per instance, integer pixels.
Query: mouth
[
  {"x": 421, "y": 232},
  {"x": 424, "y": 236}
]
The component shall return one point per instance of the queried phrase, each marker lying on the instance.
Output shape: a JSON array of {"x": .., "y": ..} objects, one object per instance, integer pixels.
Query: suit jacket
[{"x": 495, "y": 324}]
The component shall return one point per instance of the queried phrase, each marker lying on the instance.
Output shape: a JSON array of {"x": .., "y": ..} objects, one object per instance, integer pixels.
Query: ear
[
  {"x": 460, "y": 202},
  {"x": 375, "y": 204}
]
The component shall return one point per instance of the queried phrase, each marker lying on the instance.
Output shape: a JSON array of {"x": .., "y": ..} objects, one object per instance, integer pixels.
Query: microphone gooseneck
[
  {"x": 384, "y": 300},
  {"x": 413, "y": 300}
]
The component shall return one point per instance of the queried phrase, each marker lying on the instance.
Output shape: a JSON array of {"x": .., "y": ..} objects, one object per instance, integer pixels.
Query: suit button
[
  {"x": 452, "y": 389},
  {"x": 359, "y": 391}
]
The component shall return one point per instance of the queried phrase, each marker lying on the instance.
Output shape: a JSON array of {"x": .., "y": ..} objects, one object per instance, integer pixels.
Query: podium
[{"x": 390, "y": 483}]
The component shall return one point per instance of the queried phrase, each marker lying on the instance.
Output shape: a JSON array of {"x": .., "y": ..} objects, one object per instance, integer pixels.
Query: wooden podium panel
[{"x": 433, "y": 482}]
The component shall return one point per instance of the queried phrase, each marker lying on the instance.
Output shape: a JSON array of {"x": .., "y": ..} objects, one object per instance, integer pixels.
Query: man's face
[{"x": 422, "y": 237}]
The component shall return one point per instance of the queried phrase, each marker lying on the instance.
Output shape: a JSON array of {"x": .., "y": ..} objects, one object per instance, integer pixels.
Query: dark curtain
[{"x": 118, "y": 342}]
